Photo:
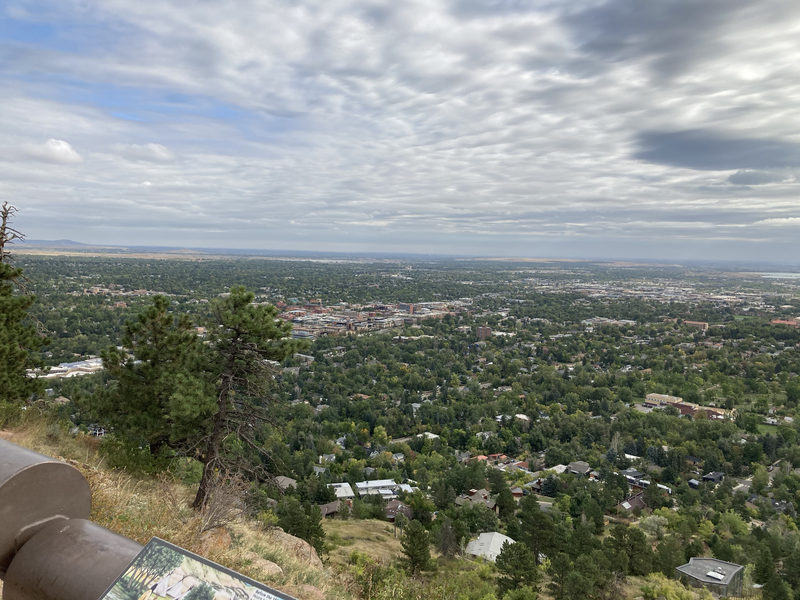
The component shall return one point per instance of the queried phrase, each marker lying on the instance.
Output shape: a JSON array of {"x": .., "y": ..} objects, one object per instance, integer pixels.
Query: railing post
[
  {"x": 68, "y": 560},
  {"x": 35, "y": 491}
]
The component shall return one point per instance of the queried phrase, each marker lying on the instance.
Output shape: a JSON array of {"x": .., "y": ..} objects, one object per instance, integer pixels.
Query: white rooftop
[
  {"x": 376, "y": 483},
  {"x": 343, "y": 490},
  {"x": 488, "y": 545}
]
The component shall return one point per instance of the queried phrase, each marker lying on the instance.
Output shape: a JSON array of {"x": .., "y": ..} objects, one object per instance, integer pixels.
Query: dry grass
[
  {"x": 143, "y": 508},
  {"x": 372, "y": 537}
]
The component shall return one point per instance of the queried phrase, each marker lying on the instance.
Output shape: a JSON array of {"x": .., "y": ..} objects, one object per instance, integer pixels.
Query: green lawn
[{"x": 765, "y": 429}]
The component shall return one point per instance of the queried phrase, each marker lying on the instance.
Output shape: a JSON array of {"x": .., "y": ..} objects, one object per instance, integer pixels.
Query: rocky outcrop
[
  {"x": 309, "y": 592},
  {"x": 267, "y": 567},
  {"x": 215, "y": 541},
  {"x": 295, "y": 546}
]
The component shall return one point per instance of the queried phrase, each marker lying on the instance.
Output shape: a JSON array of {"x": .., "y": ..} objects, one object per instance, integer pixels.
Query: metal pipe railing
[
  {"x": 35, "y": 491},
  {"x": 68, "y": 560},
  {"x": 49, "y": 549}
]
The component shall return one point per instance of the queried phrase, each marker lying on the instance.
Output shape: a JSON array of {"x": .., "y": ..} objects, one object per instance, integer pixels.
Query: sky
[{"x": 664, "y": 130}]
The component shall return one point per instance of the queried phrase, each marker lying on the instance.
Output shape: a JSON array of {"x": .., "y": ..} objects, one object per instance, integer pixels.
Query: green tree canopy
[
  {"x": 243, "y": 337},
  {"x": 416, "y": 547},
  {"x": 18, "y": 335},
  {"x": 163, "y": 395},
  {"x": 518, "y": 567}
]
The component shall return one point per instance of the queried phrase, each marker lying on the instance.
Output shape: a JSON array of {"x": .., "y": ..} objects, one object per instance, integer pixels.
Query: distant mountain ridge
[{"x": 60, "y": 243}]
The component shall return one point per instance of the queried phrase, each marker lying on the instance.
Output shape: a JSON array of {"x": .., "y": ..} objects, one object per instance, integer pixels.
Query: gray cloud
[
  {"x": 437, "y": 125},
  {"x": 709, "y": 150},
  {"x": 149, "y": 152},
  {"x": 757, "y": 177}
]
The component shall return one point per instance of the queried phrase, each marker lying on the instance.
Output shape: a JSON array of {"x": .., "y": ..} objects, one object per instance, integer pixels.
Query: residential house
[
  {"x": 284, "y": 483},
  {"x": 488, "y": 545},
  {"x": 386, "y": 488},
  {"x": 478, "y": 497},
  {"x": 517, "y": 492},
  {"x": 343, "y": 491},
  {"x": 396, "y": 507},
  {"x": 693, "y": 460},
  {"x": 714, "y": 477},
  {"x": 535, "y": 486},
  {"x": 331, "y": 509},
  {"x": 635, "y": 501},
  {"x": 579, "y": 468}
]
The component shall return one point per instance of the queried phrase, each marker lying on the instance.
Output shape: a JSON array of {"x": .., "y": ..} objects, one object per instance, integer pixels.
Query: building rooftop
[
  {"x": 488, "y": 545},
  {"x": 343, "y": 490},
  {"x": 710, "y": 570},
  {"x": 376, "y": 483}
]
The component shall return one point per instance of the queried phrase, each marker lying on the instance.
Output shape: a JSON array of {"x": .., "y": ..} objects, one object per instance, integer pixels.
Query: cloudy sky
[{"x": 584, "y": 128}]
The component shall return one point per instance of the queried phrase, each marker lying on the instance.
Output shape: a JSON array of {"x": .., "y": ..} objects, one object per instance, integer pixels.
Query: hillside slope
[{"x": 142, "y": 508}]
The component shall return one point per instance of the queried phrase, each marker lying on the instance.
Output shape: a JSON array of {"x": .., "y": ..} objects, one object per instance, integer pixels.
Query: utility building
[{"x": 717, "y": 576}]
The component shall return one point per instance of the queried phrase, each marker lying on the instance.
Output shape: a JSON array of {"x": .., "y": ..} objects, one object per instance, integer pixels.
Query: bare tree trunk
[
  {"x": 217, "y": 437},
  {"x": 7, "y": 233}
]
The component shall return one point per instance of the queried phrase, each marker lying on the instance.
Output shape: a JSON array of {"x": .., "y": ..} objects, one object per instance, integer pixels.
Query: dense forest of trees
[{"x": 551, "y": 392}]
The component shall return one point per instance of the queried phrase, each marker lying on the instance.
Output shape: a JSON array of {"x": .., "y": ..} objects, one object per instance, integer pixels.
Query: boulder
[
  {"x": 295, "y": 546},
  {"x": 309, "y": 592},
  {"x": 267, "y": 567},
  {"x": 214, "y": 541}
]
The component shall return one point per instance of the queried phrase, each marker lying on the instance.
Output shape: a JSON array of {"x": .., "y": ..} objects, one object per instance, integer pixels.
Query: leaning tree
[{"x": 243, "y": 337}]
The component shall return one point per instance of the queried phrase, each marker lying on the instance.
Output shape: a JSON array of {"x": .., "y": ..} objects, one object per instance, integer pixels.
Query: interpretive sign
[{"x": 163, "y": 571}]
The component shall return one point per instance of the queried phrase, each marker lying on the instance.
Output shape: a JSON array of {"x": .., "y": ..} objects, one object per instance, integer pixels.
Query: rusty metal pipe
[
  {"x": 68, "y": 560},
  {"x": 35, "y": 491}
]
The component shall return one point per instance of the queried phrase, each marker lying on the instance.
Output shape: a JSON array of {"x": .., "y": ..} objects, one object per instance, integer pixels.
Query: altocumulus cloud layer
[{"x": 584, "y": 128}]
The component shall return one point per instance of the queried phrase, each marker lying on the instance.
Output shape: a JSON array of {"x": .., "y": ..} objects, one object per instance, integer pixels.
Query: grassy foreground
[{"x": 142, "y": 508}]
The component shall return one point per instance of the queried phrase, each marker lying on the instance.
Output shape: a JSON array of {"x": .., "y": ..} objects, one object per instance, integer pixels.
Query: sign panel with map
[{"x": 163, "y": 571}]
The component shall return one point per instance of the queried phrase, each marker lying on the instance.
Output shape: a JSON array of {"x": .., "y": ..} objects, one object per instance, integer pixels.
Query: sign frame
[{"x": 268, "y": 593}]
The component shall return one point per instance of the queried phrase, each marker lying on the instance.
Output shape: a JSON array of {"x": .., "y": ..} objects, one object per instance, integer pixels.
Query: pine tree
[
  {"x": 536, "y": 528},
  {"x": 506, "y": 503},
  {"x": 791, "y": 567},
  {"x": 551, "y": 486},
  {"x": 765, "y": 567},
  {"x": 416, "y": 547},
  {"x": 518, "y": 567},
  {"x": 776, "y": 589},
  {"x": 445, "y": 496},
  {"x": 640, "y": 554},
  {"x": 301, "y": 521},
  {"x": 559, "y": 570},
  {"x": 242, "y": 337},
  {"x": 18, "y": 336},
  {"x": 163, "y": 395},
  {"x": 447, "y": 540},
  {"x": 669, "y": 555},
  {"x": 594, "y": 514}
]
